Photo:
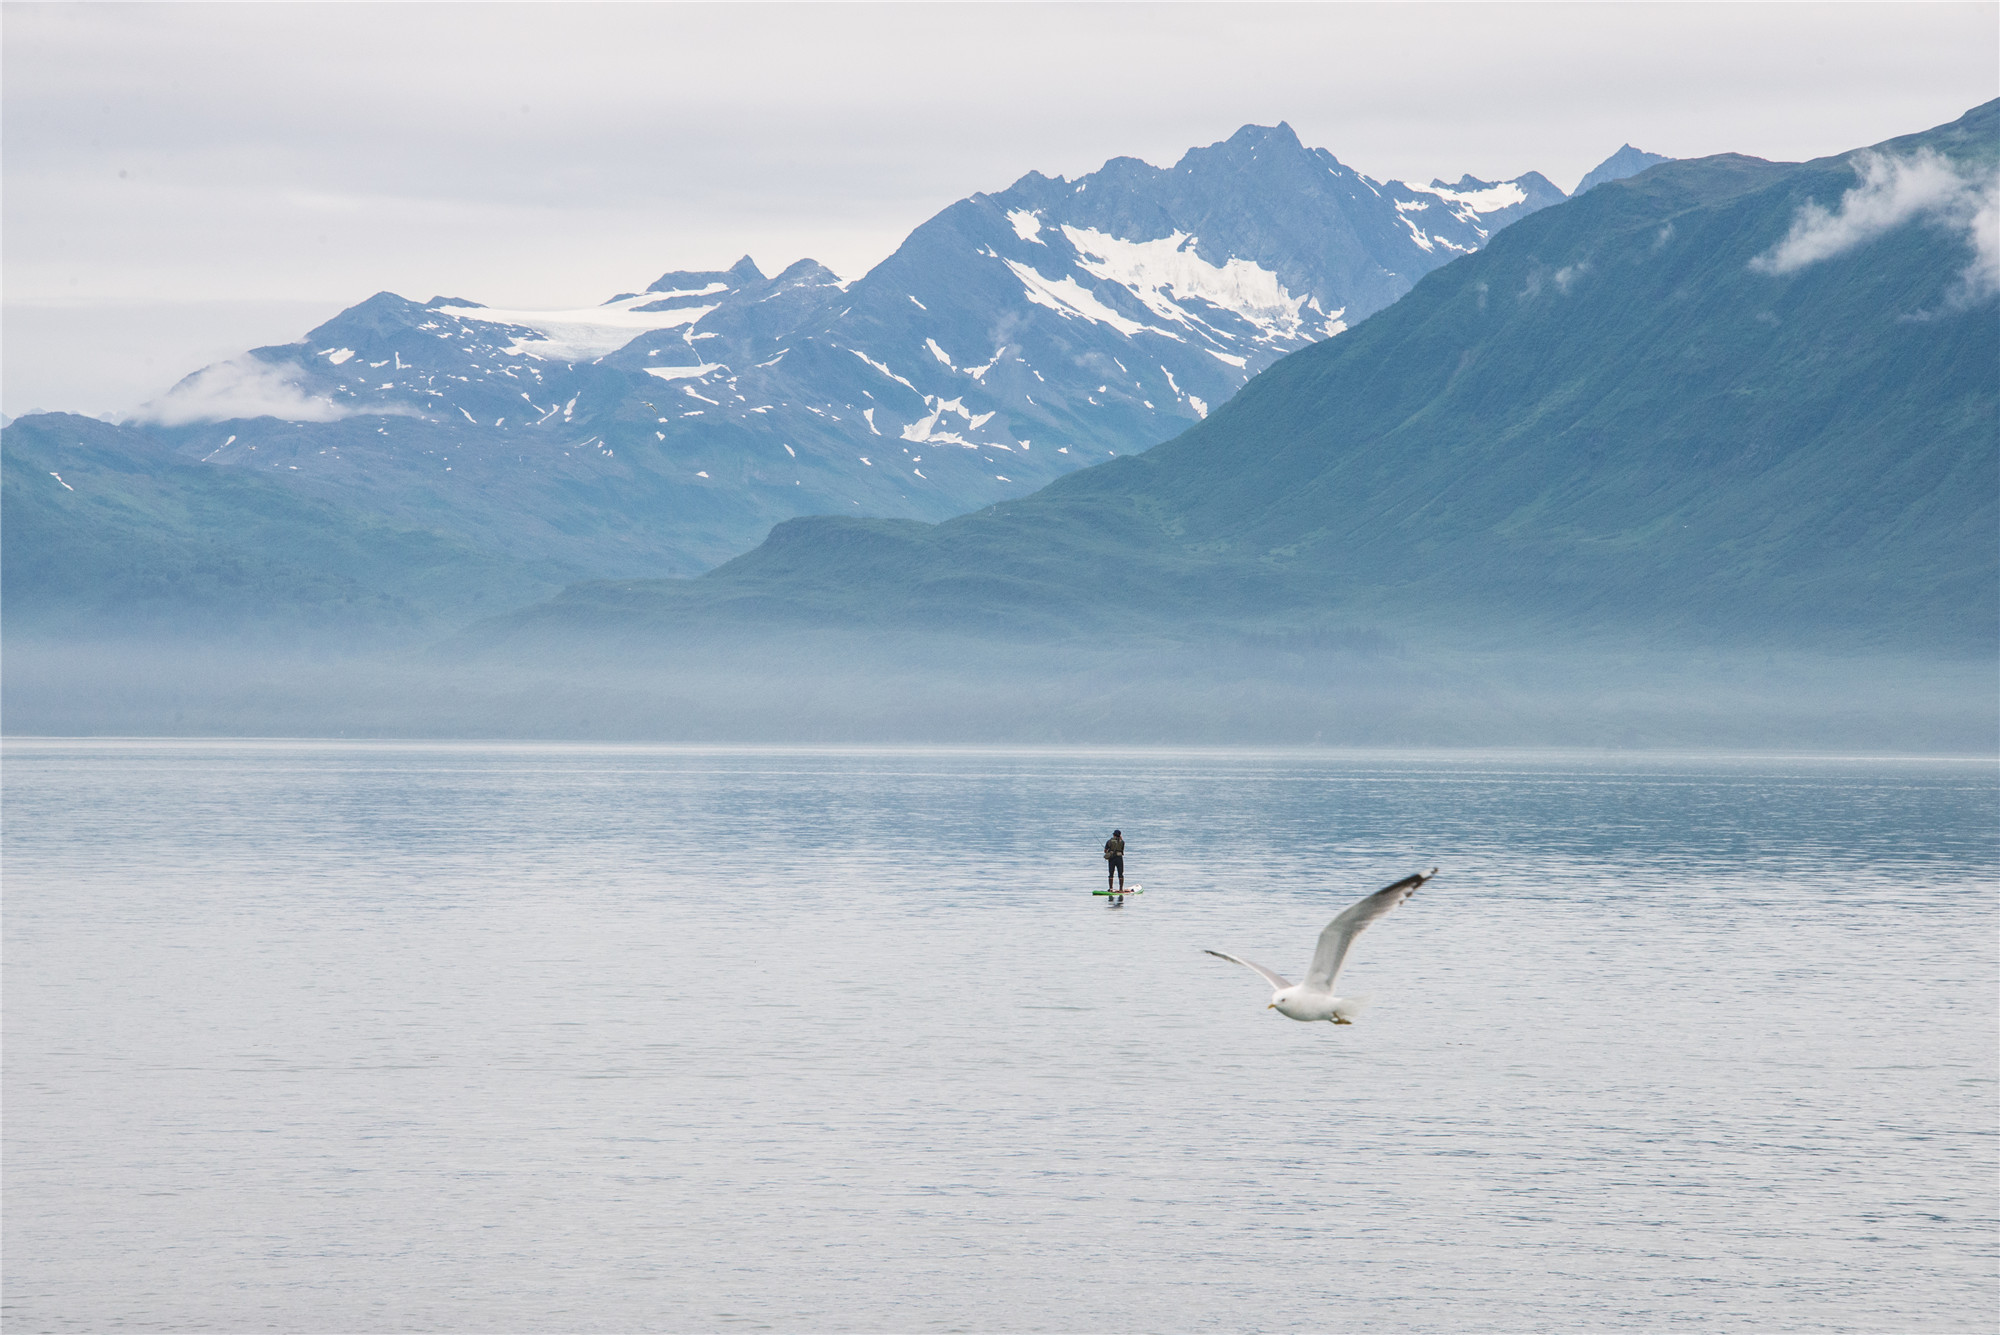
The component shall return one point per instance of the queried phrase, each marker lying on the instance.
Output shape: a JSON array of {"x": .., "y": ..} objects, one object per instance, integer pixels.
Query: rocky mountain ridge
[{"x": 1011, "y": 339}]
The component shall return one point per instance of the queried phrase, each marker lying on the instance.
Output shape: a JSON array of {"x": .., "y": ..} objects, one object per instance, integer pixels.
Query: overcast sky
[{"x": 185, "y": 181}]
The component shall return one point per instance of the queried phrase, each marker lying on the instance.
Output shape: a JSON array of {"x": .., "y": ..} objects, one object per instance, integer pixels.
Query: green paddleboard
[{"x": 1135, "y": 890}]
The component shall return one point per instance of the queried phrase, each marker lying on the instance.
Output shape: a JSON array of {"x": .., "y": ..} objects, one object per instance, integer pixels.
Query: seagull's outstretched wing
[
  {"x": 1273, "y": 979},
  {"x": 1340, "y": 933}
]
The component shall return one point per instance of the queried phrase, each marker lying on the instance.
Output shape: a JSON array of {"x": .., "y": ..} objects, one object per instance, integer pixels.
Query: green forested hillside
[
  {"x": 106, "y": 532},
  {"x": 1608, "y": 425}
]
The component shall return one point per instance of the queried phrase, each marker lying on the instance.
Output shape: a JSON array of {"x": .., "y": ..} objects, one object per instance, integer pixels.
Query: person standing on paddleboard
[{"x": 1114, "y": 859}]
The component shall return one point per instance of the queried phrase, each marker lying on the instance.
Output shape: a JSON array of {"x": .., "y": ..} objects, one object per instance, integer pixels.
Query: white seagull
[{"x": 1313, "y": 999}]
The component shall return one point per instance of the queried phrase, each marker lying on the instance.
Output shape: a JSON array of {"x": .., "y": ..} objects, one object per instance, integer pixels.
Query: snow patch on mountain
[
  {"x": 1027, "y": 226},
  {"x": 925, "y": 430},
  {"x": 1067, "y": 298},
  {"x": 1489, "y": 199},
  {"x": 586, "y": 334},
  {"x": 1167, "y": 271},
  {"x": 686, "y": 372},
  {"x": 651, "y": 299},
  {"x": 883, "y": 367}
]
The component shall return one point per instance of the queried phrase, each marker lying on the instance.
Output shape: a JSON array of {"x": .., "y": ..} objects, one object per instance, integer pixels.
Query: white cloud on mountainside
[
  {"x": 1893, "y": 192},
  {"x": 246, "y": 387}
]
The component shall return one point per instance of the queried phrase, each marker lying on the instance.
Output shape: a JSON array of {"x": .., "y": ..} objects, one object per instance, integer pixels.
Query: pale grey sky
[{"x": 184, "y": 181}]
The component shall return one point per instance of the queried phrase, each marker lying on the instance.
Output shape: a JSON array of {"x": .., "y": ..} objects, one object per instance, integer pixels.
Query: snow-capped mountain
[{"x": 1011, "y": 338}]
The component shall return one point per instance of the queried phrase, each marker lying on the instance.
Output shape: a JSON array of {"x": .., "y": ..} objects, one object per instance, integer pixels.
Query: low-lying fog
[{"x": 836, "y": 687}]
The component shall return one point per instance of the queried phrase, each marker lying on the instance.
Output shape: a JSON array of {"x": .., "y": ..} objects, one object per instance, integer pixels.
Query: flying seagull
[{"x": 1313, "y": 999}]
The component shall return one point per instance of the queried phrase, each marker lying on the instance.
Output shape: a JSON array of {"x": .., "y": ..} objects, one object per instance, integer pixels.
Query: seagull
[{"x": 1313, "y": 999}]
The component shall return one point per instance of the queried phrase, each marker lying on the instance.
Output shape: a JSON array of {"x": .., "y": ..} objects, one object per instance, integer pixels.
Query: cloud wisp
[
  {"x": 1893, "y": 192},
  {"x": 247, "y": 387}
]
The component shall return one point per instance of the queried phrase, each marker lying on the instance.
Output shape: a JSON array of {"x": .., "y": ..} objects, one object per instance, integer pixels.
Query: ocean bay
[{"x": 457, "y": 1036}]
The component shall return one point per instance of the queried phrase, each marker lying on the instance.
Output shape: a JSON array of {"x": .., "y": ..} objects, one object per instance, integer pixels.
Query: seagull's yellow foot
[{"x": 1338, "y": 1020}]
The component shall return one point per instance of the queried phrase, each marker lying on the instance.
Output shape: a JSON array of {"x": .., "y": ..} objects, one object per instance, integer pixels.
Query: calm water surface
[{"x": 353, "y": 1037}]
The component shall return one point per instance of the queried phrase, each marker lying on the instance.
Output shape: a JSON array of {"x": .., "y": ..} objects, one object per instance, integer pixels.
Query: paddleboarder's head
[{"x": 1118, "y": 834}]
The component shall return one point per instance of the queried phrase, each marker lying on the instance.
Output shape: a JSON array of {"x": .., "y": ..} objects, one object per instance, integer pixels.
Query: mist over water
[
  {"x": 377, "y": 1036},
  {"x": 830, "y": 685}
]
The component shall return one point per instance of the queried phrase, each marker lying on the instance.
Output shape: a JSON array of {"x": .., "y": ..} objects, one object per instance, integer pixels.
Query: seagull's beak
[{"x": 1273, "y": 1006}]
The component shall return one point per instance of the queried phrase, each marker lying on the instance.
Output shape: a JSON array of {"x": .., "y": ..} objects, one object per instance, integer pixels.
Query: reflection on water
[{"x": 333, "y": 1037}]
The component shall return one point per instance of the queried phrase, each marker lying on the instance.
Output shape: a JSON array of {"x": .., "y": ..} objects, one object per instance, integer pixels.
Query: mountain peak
[
  {"x": 1627, "y": 161},
  {"x": 1281, "y": 135},
  {"x": 1248, "y": 144},
  {"x": 743, "y": 271},
  {"x": 807, "y": 273}
]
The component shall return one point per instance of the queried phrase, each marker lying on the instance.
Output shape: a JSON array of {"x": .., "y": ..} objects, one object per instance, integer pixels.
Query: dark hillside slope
[{"x": 1609, "y": 424}]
